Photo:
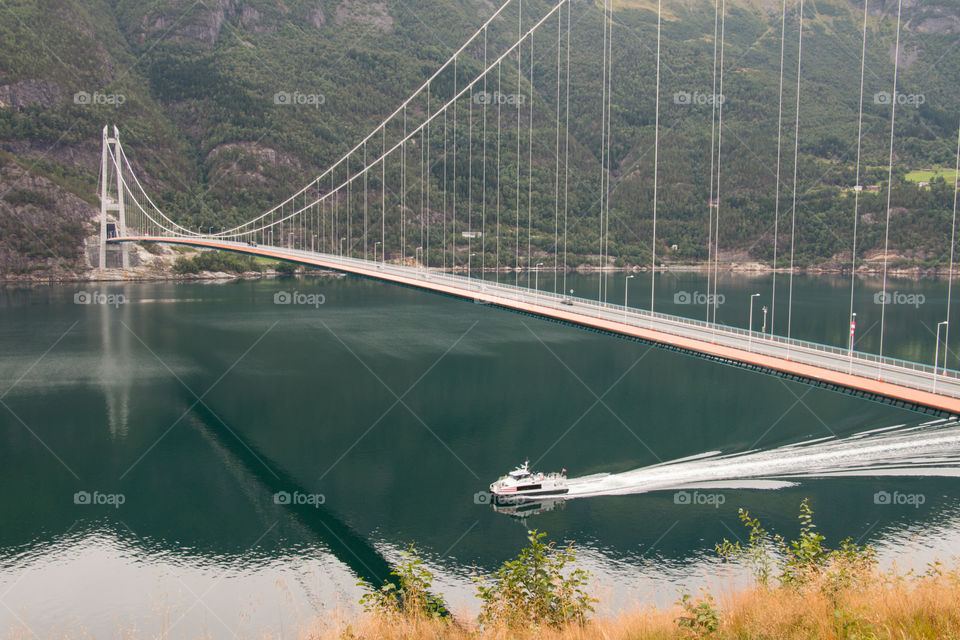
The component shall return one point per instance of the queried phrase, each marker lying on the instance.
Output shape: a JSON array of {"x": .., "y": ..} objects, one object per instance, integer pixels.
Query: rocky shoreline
[
  {"x": 155, "y": 263},
  {"x": 166, "y": 274}
]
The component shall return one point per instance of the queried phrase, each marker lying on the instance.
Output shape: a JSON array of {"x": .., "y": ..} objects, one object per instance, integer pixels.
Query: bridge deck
[{"x": 903, "y": 382}]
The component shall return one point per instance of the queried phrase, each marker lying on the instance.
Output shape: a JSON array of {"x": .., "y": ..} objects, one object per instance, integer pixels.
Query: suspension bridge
[{"x": 443, "y": 189}]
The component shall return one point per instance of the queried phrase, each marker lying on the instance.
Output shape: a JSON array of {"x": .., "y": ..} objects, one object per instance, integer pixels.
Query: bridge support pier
[{"x": 110, "y": 166}]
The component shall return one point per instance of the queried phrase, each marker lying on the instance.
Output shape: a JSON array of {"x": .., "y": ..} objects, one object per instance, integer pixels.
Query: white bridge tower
[{"x": 110, "y": 166}]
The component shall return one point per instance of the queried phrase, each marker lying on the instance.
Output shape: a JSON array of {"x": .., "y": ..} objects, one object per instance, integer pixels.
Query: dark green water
[{"x": 198, "y": 403}]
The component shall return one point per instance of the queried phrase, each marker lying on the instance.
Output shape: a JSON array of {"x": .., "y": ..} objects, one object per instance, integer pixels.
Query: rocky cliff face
[{"x": 42, "y": 225}]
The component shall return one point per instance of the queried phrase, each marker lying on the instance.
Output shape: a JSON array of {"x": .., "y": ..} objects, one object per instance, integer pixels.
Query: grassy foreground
[
  {"x": 887, "y": 607},
  {"x": 801, "y": 590}
]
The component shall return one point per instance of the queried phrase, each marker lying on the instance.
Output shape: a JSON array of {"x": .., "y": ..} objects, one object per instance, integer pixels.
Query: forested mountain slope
[{"x": 192, "y": 86}]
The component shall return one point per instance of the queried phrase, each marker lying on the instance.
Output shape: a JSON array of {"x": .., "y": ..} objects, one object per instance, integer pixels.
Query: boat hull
[{"x": 531, "y": 493}]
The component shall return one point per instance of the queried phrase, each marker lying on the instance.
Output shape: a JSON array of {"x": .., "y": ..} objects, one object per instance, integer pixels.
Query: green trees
[
  {"x": 534, "y": 589},
  {"x": 410, "y": 593},
  {"x": 216, "y": 261},
  {"x": 800, "y": 562}
]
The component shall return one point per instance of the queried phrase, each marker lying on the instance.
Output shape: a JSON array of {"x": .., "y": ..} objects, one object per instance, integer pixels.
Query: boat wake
[{"x": 929, "y": 449}]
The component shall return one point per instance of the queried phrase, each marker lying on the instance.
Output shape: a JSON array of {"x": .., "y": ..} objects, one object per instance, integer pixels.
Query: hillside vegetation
[{"x": 192, "y": 88}]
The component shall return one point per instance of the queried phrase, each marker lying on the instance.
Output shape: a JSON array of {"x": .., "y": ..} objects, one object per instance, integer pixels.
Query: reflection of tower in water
[{"x": 116, "y": 367}]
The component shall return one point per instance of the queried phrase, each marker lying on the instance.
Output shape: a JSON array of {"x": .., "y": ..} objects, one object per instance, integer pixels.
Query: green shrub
[
  {"x": 152, "y": 248},
  {"x": 216, "y": 261},
  {"x": 18, "y": 197},
  {"x": 802, "y": 561},
  {"x": 409, "y": 594},
  {"x": 701, "y": 618},
  {"x": 535, "y": 590}
]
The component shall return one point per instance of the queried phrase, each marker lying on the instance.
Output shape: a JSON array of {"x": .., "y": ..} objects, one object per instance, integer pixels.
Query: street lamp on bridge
[
  {"x": 341, "y": 246},
  {"x": 750, "y": 322},
  {"x": 853, "y": 330},
  {"x": 626, "y": 292},
  {"x": 375, "y": 250},
  {"x": 936, "y": 356}
]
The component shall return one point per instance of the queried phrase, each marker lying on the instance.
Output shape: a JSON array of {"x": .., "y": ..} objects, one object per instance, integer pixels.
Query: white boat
[{"x": 521, "y": 483}]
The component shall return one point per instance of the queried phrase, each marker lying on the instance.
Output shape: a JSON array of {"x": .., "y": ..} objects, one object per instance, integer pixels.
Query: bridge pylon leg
[{"x": 110, "y": 168}]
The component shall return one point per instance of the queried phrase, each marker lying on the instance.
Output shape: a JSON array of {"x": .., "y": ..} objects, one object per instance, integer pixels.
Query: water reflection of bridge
[{"x": 897, "y": 382}]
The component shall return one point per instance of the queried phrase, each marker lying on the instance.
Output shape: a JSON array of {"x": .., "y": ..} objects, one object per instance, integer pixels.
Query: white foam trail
[{"x": 931, "y": 449}]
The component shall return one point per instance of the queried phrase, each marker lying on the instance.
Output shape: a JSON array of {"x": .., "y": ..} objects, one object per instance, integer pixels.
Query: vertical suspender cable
[
  {"x": 953, "y": 235},
  {"x": 403, "y": 190},
  {"x": 349, "y": 226},
  {"x": 713, "y": 156},
  {"x": 716, "y": 230},
  {"x": 333, "y": 214},
  {"x": 497, "y": 270},
  {"x": 445, "y": 186},
  {"x": 365, "y": 197},
  {"x": 423, "y": 212},
  {"x": 857, "y": 187},
  {"x": 453, "y": 195},
  {"x": 776, "y": 206},
  {"x": 383, "y": 197},
  {"x": 483, "y": 177},
  {"x": 530, "y": 261},
  {"x": 603, "y": 141},
  {"x": 566, "y": 156},
  {"x": 469, "y": 181},
  {"x": 796, "y": 160},
  {"x": 556, "y": 177},
  {"x": 606, "y": 230},
  {"x": 516, "y": 275},
  {"x": 886, "y": 239},
  {"x": 656, "y": 165},
  {"x": 426, "y": 241}
]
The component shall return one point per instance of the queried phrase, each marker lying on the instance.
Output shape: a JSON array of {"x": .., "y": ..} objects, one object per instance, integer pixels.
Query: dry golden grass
[{"x": 879, "y": 606}]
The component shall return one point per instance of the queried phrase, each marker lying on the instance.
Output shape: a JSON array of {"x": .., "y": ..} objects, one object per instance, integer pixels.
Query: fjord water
[{"x": 196, "y": 458}]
